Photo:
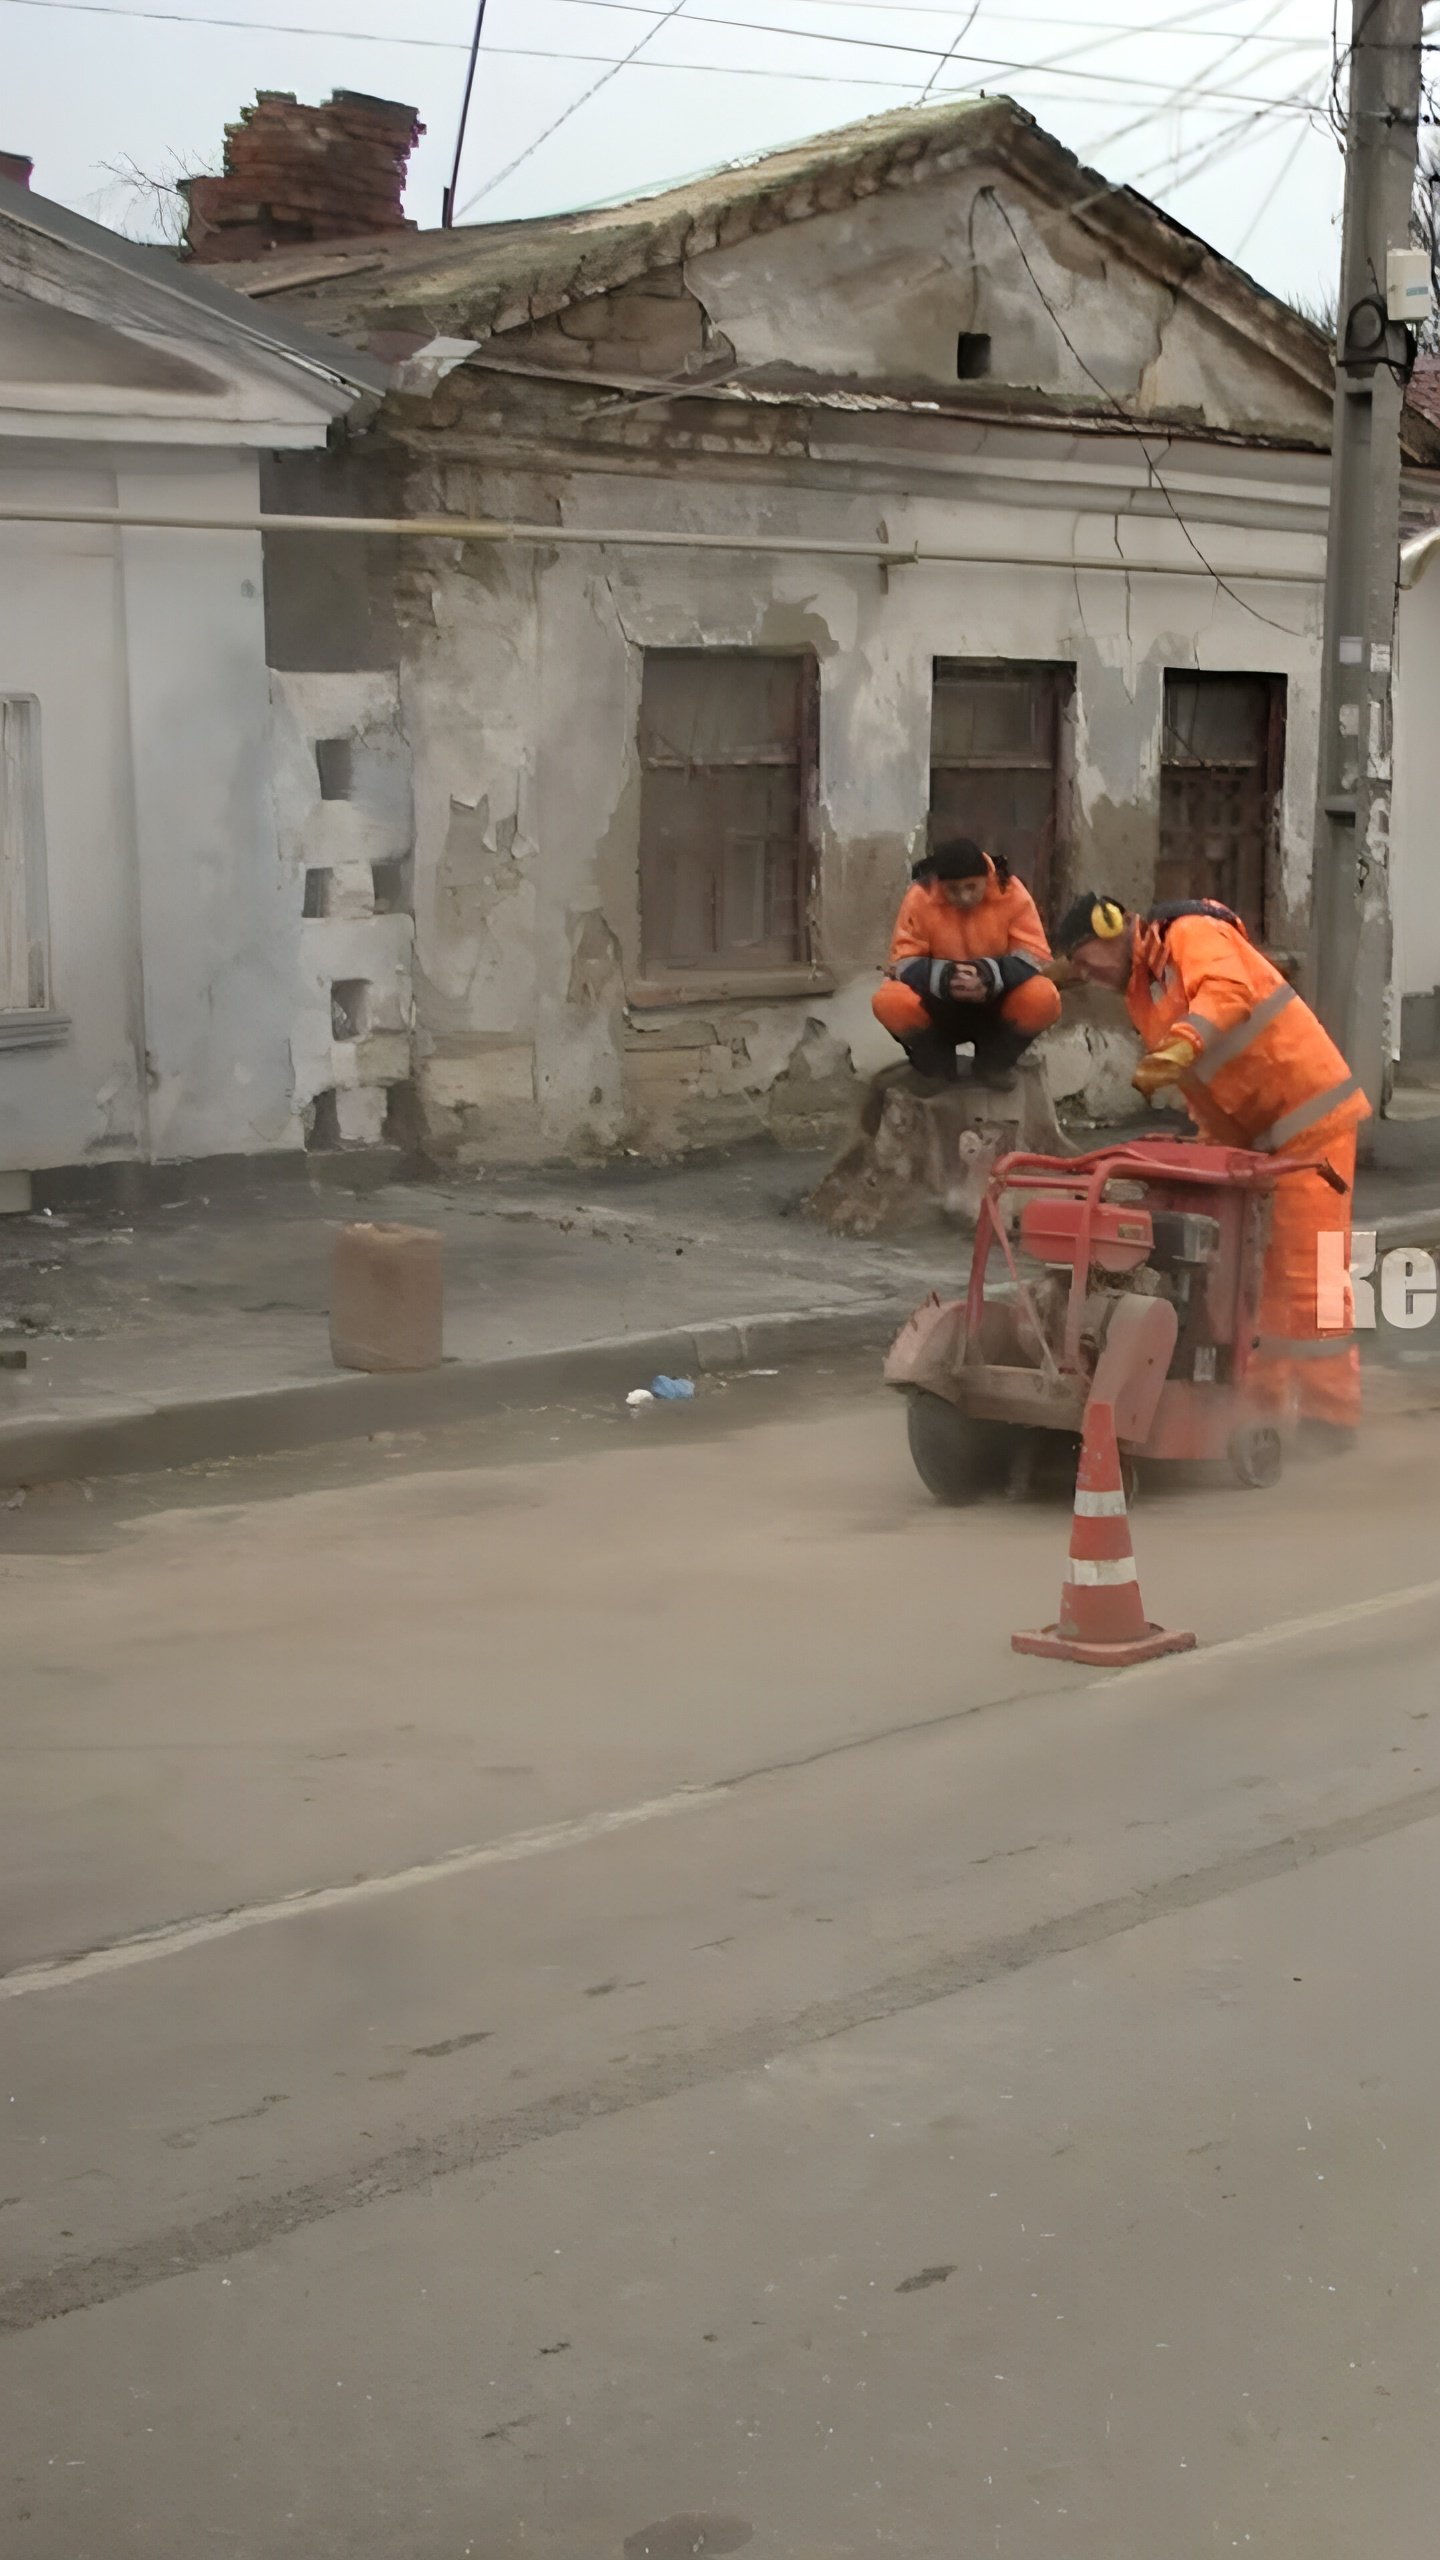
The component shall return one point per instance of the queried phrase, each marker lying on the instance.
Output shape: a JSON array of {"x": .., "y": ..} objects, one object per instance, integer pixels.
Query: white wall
[
  {"x": 173, "y": 951},
  {"x": 218, "y": 938},
  {"x": 62, "y": 640}
]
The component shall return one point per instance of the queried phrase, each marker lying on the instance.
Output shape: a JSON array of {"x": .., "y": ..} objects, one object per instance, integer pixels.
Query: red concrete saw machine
[{"x": 1132, "y": 1275}]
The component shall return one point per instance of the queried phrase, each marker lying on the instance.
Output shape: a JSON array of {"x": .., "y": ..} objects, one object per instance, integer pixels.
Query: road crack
[{"x": 256, "y": 2223}]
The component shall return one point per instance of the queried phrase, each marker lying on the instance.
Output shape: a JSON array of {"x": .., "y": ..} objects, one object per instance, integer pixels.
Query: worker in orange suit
[
  {"x": 1255, "y": 1068},
  {"x": 967, "y": 964}
]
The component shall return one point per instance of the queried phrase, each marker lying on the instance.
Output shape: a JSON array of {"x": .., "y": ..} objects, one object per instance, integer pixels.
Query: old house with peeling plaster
[
  {"x": 912, "y": 471},
  {"x": 149, "y": 987},
  {"x": 722, "y": 542}
]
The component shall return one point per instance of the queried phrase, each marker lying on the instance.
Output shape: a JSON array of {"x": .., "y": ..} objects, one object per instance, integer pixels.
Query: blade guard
[
  {"x": 1139, "y": 1346},
  {"x": 927, "y": 1350}
]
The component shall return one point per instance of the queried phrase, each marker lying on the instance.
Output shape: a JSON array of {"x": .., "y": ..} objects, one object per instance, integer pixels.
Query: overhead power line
[
  {"x": 573, "y": 109},
  {"x": 1057, "y": 64},
  {"x": 895, "y": 44},
  {"x": 1200, "y": 157},
  {"x": 1049, "y": 63},
  {"x": 1194, "y": 96},
  {"x": 132, "y": 10},
  {"x": 1013, "y": 17},
  {"x": 958, "y": 39},
  {"x": 1244, "y": 130},
  {"x": 493, "y": 52},
  {"x": 1271, "y": 192},
  {"x": 242, "y": 26},
  {"x": 1182, "y": 95}
]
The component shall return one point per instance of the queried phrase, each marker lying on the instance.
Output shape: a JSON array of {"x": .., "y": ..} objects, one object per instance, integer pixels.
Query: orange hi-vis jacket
[
  {"x": 1006, "y": 924},
  {"x": 1265, "y": 1071}
]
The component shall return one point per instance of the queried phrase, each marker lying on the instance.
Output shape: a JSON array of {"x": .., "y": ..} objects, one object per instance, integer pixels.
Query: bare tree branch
[{"x": 150, "y": 205}]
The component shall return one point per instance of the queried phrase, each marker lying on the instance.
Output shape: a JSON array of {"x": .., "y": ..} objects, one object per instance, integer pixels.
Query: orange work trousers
[
  {"x": 1298, "y": 1371},
  {"x": 1030, "y": 1008}
]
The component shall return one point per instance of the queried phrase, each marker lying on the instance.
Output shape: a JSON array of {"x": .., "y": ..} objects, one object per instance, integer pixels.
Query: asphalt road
[{"x": 578, "y": 2000}]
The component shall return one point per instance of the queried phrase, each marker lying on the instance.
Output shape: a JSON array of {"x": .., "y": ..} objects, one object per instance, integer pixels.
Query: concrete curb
[{"x": 113, "y": 1438}]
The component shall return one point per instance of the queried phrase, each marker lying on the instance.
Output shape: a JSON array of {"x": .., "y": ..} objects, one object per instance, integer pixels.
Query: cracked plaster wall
[
  {"x": 883, "y": 287},
  {"x": 519, "y": 670},
  {"x": 520, "y": 697}
]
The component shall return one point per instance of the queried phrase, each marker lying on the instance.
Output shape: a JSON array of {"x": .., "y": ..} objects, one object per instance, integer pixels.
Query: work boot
[
  {"x": 932, "y": 1060},
  {"x": 997, "y": 1059}
]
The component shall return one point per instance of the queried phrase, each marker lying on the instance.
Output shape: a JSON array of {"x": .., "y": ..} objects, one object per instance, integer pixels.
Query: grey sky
[{"x": 1216, "y": 110}]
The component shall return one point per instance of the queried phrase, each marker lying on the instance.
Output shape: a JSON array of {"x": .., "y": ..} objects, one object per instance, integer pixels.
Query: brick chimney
[
  {"x": 296, "y": 173},
  {"x": 15, "y": 167}
]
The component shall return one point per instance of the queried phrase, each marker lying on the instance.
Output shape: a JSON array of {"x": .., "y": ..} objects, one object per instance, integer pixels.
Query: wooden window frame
[
  {"x": 1273, "y": 762},
  {"x": 1058, "y": 675},
  {"x": 658, "y": 983},
  {"x": 34, "y": 1024}
]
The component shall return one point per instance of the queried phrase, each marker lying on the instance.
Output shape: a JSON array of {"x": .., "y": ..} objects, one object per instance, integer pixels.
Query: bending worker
[
  {"x": 967, "y": 963},
  {"x": 1255, "y": 1069}
]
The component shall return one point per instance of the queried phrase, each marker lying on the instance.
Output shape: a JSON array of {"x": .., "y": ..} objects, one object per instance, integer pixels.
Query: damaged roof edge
[
  {"x": 334, "y": 357},
  {"x": 484, "y": 279},
  {"x": 983, "y": 406},
  {"x": 1140, "y": 224}
]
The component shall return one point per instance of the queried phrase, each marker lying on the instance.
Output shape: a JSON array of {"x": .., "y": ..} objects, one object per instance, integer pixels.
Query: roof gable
[
  {"x": 102, "y": 338},
  {"x": 860, "y": 256},
  {"x": 1046, "y": 300}
]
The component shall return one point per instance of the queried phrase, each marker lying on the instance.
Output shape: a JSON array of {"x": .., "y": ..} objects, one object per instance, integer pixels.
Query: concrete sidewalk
[{"x": 197, "y": 1329}]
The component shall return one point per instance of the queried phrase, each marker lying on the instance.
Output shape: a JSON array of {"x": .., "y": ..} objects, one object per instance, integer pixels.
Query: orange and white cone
[{"x": 1102, "y": 1616}]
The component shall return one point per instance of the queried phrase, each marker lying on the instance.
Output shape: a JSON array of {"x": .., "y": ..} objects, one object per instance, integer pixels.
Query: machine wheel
[
  {"x": 956, "y": 1458},
  {"x": 1257, "y": 1455}
]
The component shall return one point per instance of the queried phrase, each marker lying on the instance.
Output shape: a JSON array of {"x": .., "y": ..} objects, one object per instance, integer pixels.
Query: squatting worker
[
  {"x": 1255, "y": 1069},
  {"x": 966, "y": 964}
]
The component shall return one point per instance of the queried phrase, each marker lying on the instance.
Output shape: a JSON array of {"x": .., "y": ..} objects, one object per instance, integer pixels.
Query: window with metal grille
[
  {"x": 1000, "y": 763},
  {"x": 727, "y": 754},
  {"x": 24, "y": 916},
  {"x": 1222, "y": 766}
]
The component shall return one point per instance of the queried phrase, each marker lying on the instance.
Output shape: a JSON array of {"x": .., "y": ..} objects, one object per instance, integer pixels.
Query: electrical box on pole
[{"x": 1380, "y": 306}]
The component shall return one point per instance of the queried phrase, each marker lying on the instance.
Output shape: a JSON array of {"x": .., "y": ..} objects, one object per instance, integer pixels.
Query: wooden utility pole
[{"x": 1374, "y": 349}]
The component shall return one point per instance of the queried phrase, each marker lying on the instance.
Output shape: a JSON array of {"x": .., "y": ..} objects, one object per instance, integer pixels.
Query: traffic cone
[{"x": 1102, "y": 1616}]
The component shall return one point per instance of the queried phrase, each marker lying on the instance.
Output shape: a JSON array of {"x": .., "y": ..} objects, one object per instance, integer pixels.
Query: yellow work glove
[
  {"x": 1162, "y": 1066},
  {"x": 1059, "y": 971}
]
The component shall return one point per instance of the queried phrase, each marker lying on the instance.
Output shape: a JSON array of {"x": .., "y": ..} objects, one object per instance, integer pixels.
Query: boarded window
[
  {"x": 727, "y": 752},
  {"x": 999, "y": 764},
  {"x": 1222, "y": 766},
  {"x": 24, "y": 922}
]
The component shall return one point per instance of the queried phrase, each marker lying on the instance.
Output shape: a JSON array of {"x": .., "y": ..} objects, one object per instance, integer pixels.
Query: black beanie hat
[{"x": 956, "y": 858}]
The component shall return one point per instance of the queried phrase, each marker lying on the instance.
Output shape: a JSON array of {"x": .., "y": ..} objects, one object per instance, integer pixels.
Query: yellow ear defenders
[{"x": 1107, "y": 920}]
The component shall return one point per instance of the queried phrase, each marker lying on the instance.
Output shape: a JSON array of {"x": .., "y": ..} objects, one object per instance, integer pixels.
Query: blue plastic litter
[{"x": 672, "y": 1390}]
